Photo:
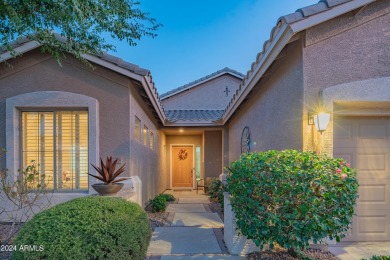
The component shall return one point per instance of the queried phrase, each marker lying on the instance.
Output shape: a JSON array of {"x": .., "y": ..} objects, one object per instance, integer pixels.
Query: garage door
[{"x": 365, "y": 143}]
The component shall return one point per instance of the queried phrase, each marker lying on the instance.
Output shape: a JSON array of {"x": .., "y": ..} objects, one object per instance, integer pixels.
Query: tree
[{"x": 81, "y": 25}]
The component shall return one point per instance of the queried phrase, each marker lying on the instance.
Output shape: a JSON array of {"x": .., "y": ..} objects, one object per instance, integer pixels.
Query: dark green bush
[
  {"x": 92, "y": 227},
  {"x": 290, "y": 197},
  {"x": 382, "y": 257},
  {"x": 216, "y": 189},
  {"x": 158, "y": 204},
  {"x": 167, "y": 197}
]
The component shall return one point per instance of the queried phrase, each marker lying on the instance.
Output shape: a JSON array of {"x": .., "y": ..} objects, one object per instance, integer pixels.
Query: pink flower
[
  {"x": 348, "y": 165},
  {"x": 343, "y": 176},
  {"x": 338, "y": 170},
  {"x": 341, "y": 163}
]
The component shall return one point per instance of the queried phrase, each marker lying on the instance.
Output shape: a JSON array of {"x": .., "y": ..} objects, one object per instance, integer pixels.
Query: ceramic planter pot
[{"x": 107, "y": 189}]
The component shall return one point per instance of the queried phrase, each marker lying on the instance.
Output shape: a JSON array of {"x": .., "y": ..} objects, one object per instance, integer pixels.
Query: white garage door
[{"x": 365, "y": 143}]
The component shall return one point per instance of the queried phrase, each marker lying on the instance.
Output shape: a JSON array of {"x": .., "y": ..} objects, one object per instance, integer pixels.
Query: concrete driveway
[{"x": 359, "y": 250}]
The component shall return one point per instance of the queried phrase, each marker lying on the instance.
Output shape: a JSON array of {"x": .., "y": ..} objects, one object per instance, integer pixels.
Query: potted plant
[{"x": 108, "y": 176}]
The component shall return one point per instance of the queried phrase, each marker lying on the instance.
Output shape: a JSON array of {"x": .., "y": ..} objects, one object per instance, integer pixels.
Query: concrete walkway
[
  {"x": 359, "y": 250},
  {"x": 195, "y": 232}
]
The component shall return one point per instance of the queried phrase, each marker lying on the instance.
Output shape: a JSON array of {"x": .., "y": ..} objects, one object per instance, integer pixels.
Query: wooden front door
[{"x": 182, "y": 165}]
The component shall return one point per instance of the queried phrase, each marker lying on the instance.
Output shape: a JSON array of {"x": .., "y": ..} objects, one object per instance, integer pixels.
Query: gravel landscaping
[
  {"x": 158, "y": 219},
  {"x": 281, "y": 254},
  {"x": 215, "y": 207}
]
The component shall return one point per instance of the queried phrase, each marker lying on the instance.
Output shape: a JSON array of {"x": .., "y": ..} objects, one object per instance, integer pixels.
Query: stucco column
[{"x": 236, "y": 244}]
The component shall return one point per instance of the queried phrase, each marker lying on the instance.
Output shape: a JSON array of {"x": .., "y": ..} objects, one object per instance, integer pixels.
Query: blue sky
[{"x": 199, "y": 37}]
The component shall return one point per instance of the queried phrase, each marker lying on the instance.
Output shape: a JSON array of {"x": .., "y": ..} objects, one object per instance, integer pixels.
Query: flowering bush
[{"x": 291, "y": 197}]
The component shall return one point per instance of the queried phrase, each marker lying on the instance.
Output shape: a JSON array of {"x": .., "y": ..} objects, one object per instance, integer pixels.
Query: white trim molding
[{"x": 52, "y": 100}]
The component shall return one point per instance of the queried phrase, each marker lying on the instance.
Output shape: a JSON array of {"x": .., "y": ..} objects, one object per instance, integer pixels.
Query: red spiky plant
[{"x": 107, "y": 173}]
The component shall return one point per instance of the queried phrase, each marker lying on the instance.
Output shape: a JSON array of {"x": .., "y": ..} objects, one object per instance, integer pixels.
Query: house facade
[
  {"x": 333, "y": 56},
  {"x": 338, "y": 63}
]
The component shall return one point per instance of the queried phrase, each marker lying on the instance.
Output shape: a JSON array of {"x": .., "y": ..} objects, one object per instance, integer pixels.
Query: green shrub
[
  {"x": 216, "y": 189},
  {"x": 92, "y": 227},
  {"x": 290, "y": 197},
  {"x": 382, "y": 257},
  {"x": 167, "y": 197},
  {"x": 158, "y": 204}
]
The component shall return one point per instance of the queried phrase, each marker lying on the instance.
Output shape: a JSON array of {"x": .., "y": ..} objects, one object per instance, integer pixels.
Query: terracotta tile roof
[
  {"x": 104, "y": 56},
  {"x": 193, "y": 115},
  {"x": 305, "y": 12},
  {"x": 198, "y": 81},
  {"x": 124, "y": 64}
]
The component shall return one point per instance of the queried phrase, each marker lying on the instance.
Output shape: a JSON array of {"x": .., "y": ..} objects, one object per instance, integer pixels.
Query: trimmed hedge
[
  {"x": 291, "y": 197},
  {"x": 92, "y": 227}
]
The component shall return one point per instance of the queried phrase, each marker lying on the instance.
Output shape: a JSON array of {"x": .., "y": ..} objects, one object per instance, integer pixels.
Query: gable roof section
[
  {"x": 194, "y": 115},
  {"x": 197, "y": 82},
  {"x": 286, "y": 28},
  {"x": 108, "y": 61}
]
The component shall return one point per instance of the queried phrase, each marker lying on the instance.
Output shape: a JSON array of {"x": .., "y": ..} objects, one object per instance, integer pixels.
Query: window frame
[
  {"x": 151, "y": 140},
  {"x": 50, "y": 100},
  {"x": 137, "y": 138},
  {"x": 55, "y": 174},
  {"x": 145, "y": 135}
]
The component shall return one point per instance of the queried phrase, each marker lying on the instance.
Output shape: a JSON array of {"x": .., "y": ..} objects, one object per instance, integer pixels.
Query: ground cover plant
[
  {"x": 92, "y": 227},
  {"x": 159, "y": 203},
  {"x": 167, "y": 197},
  {"x": 291, "y": 197},
  {"x": 380, "y": 257}
]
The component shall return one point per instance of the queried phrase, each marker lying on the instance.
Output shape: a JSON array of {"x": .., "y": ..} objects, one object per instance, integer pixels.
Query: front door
[{"x": 182, "y": 165}]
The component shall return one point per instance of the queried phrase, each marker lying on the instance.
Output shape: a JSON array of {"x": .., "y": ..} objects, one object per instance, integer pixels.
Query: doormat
[{"x": 182, "y": 190}]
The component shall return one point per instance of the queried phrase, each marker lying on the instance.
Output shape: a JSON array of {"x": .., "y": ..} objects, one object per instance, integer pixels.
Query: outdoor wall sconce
[{"x": 319, "y": 120}]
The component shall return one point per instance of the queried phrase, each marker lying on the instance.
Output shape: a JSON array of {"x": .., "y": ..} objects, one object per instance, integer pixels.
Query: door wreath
[{"x": 183, "y": 154}]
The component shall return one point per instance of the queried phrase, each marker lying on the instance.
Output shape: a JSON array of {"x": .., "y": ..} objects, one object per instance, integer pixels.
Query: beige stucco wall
[
  {"x": 118, "y": 102},
  {"x": 208, "y": 95},
  {"x": 213, "y": 153},
  {"x": 273, "y": 112},
  {"x": 195, "y": 140},
  {"x": 351, "y": 48},
  {"x": 145, "y": 162}
]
